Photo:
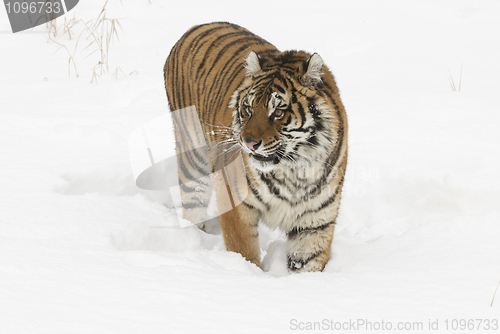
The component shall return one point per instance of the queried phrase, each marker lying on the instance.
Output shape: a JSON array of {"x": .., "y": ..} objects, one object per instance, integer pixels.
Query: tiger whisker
[
  {"x": 220, "y": 133},
  {"x": 222, "y": 126},
  {"x": 226, "y": 151},
  {"x": 237, "y": 151},
  {"x": 227, "y": 138},
  {"x": 224, "y": 142}
]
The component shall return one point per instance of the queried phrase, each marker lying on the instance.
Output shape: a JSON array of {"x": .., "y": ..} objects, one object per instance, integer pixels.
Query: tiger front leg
[
  {"x": 308, "y": 248},
  {"x": 195, "y": 197}
]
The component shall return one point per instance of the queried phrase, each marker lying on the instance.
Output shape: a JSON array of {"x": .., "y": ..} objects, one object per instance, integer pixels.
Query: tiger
[{"x": 282, "y": 113}]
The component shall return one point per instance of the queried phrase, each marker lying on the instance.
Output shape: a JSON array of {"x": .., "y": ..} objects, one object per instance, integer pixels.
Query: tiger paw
[{"x": 313, "y": 263}]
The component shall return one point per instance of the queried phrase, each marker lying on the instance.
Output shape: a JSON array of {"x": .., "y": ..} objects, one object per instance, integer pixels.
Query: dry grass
[
  {"x": 102, "y": 33},
  {"x": 98, "y": 34},
  {"x": 452, "y": 82}
]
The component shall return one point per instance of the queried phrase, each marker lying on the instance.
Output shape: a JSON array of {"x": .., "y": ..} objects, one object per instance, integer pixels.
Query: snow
[{"x": 83, "y": 250}]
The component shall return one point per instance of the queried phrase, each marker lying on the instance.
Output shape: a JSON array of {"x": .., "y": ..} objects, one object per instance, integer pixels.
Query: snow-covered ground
[{"x": 82, "y": 250}]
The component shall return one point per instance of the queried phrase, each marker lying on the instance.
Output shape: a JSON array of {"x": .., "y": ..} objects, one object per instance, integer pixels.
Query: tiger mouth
[{"x": 275, "y": 158}]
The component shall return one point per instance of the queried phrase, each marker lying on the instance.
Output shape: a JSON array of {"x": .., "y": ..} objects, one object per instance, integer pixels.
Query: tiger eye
[{"x": 279, "y": 113}]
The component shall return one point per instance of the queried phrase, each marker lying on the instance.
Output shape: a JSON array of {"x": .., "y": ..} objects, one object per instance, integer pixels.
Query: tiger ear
[
  {"x": 314, "y": 70},
  {"x": 252, "y": 63}
]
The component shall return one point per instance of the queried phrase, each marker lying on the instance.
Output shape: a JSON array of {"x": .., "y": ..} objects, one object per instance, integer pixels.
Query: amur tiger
[{"x": 281, "y": 113}]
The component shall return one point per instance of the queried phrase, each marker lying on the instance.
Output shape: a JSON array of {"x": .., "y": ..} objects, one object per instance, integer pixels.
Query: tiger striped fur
[{"x": 280, "y": 110}]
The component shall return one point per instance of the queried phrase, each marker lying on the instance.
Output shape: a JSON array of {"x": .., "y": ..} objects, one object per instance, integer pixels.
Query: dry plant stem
[
  {"x": 460, "y": 82},
  {"x": 116, "y": 72},
  {"x": 68, "y": 25},
  {"x": 494, "y": 294},
  {"x": 450, "y": 79},
  {"x": 71, "y": 58},
  {"x": 452, "y": 82}
]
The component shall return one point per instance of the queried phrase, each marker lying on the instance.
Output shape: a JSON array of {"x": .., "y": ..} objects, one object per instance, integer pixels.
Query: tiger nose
[{"x": 251, "y": 143}]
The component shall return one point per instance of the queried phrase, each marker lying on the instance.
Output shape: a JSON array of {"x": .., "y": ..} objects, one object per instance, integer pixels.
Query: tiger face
[{"x": 281, "y": 115}]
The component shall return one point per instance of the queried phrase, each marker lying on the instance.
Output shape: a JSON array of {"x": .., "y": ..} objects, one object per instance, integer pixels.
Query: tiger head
[{"x": 282, "y": 115}]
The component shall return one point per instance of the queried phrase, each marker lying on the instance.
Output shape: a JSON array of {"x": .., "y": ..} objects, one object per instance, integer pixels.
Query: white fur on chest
[{"x": 297, "y": 207}]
